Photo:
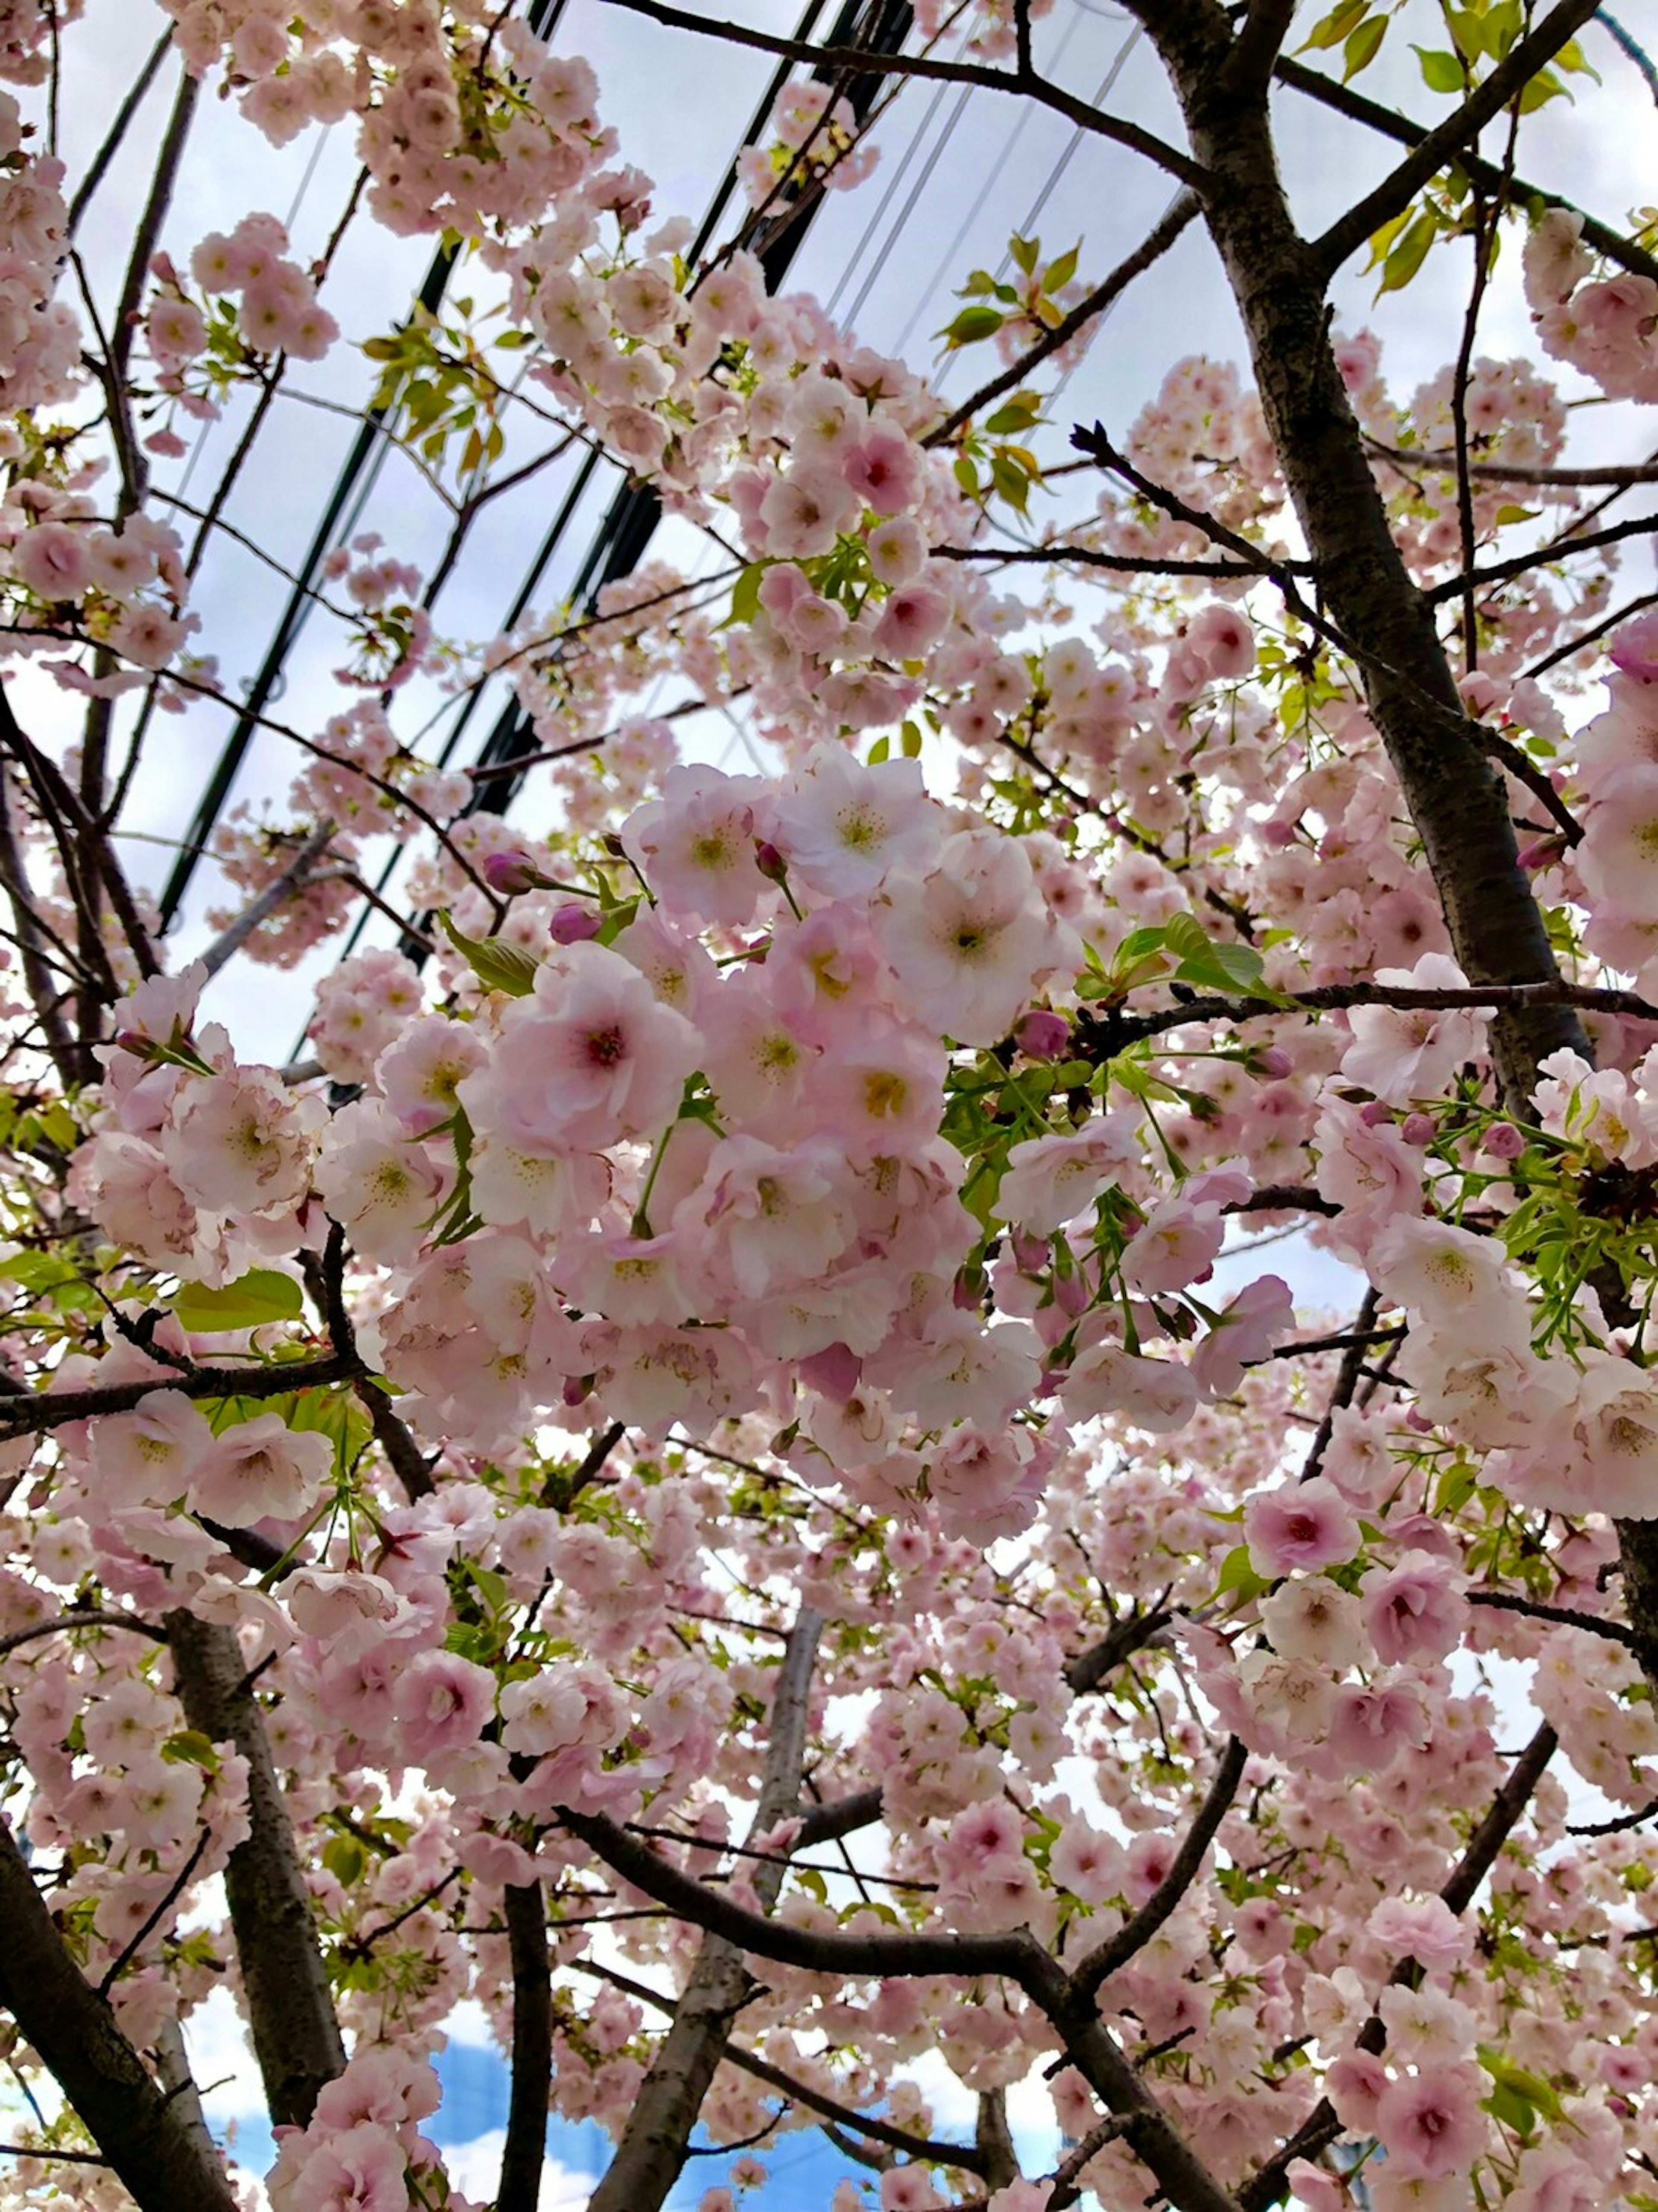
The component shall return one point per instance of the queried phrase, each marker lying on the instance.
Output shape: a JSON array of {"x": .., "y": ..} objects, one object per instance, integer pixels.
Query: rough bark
[
  {"x": 994, "y": 2139},
  {"x": 652, "y": 2152},
  {"x": 168, "y": 2163},
  {"x": 1456, "y": 797},
  {"x": 523, "y": 2152},
  {"x": 1457, "y": 800},
  {"x": 296, "y": 2037}
]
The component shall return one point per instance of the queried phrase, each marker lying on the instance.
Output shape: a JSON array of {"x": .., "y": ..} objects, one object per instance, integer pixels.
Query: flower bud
[
  {"x": 1504, "y": 1141},
  {"x": 508, "y": 874},
  {"x": 1031, "y": 1254},
  {"x": 576, "y": 923},
  {"x": 1418, "y": 1129},
  {"x": 1374, "y": 1112},
  {"x": 1042, "y": 1034}
]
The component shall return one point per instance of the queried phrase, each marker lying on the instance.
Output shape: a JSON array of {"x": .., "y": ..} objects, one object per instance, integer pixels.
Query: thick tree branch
[
  {"x": 856, "y": 1957},
  {"x": 231, "y": 939},
  {"x": 1131, "y": 1632},
  {"x": 1560, "y": 1616},
  {"x": 1258, "y": 45},
  {"x": 42, "y": 1410},
  {"x": 1136, "y": 1933},
  {"x": 1521, "y": 564},
  {"x": 296, "y": 2037},
  {"x": 1404, "y": 132},
  {"x": 1446, "y": 142},
  {"x": 652, "y": 2151},
  {"x": 145, "y": 2136},
  {"x": 524, "y": 2153}
]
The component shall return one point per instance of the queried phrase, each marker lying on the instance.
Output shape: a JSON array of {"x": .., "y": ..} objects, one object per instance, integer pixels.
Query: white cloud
[
  {"x": 475, "y": 2168},
  {"x": 221, "y": 2059}
]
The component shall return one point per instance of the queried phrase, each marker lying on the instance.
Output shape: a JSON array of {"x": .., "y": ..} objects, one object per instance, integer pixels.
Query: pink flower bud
[
  {"x": 1275, "y": 1061},
  {"x": 1031, "y": 1254},
  {"x": 769, "y": 861},
  {"x": 1374, "y": 1113},
  {"x": 1041, "y": 1034},
  {"x": 1543, "y": 853},
  {"x": 1504, "y": 1141},
  {"x": 507, "y": 874},
  {"x": 574, "y": 924},
  {"x": 1071, "y": 1295},
  {"x": 1418, "y": 1129}
]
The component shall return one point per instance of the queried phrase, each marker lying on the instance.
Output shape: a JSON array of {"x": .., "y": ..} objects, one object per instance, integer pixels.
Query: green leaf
[
  {"x": 1186, "y": 937},
  {"x": 1139, "y": 942},
  {"x": 1408, "y": 256},
  {"x": 1336, "y": 26},
  {"x": 1059, "y": 273},
  {"x": 261, "y": 1295},
  {"x": 1441, "y": 72},
  {"x": 1382, "y": 241},
  {"x": 190, "y": 1747},
  {"x": 345, "y": 1859},
  {"x": 745, "y": 594},
  {"x": 1009, "y": 479},
  {"x": 1230, "y": 968},
  {"x": 1361, "y": 47},
  {"x": 1237, "y": 1574},
  {"x": 1543, "y": 88},
  {"x": 880, "y": 751},
  {"x": 1019, "y": 413},
  {"x": 1023, "y": 253},
  {"x": 910, "y": 738},
  {"x": 971, "y": 324},
  {"x": 497, "y": 964}
]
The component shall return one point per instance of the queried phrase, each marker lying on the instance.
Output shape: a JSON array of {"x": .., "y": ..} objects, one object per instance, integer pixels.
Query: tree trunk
[
  {"x": 169, "y": 2164},
  {"x": 296, "y": 2037},
  {"x": 652, "y": 2152}
]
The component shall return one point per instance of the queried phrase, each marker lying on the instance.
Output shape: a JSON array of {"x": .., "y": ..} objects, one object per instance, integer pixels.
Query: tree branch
[
  {"x": 1562, "y": 1616},
  {"x": 42, "y": 1410},
  {"x": 296, "y": 2037},
  {"x": 652, "y": 2150},
  {"x": 1135, "y": 1933},
  {"x": 1446, "y": 142},
  {"x": 1258, "y": 45},
  {"x": 1322, "y": 2126},
  {"x": 523, "y": 2152},
  {"x": 140, "y": 2134},
  {"x": 292, "y": 879},
  {"x": 963, "y": 2155},
  {"x": 1404, "y": 132},
  {"x": 1182, "y": 213},
  {"x": 857, "y": 61}
]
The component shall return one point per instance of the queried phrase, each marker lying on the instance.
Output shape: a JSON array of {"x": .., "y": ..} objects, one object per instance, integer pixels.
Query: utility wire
[
  {"x": 631, "y": 518},
  {"x": 356, "y": 476}
]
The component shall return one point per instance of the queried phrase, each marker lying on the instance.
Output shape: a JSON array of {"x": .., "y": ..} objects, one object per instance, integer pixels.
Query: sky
[{"x": 959, "y": 171}]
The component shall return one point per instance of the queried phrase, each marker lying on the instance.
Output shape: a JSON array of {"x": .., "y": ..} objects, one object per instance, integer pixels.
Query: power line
[{"x": 356, "y": 475}]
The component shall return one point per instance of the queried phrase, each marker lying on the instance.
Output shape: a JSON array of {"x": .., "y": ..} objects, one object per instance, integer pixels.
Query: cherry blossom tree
[{"x": 721, "y": 1466}]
